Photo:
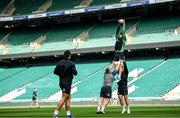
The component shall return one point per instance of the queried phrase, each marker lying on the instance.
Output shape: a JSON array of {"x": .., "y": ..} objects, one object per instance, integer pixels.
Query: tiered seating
[
  {"x": 27, "y": 76},
  {"x": 3, "y": 4},
  {"x": 104, "y": 2},
  {"x": 144, "y": 63},
  {"x": 91, "y": 87},
  {"x": 100, "y": 35},
  {"x": 93, "y": 79},
  {"x": 27, "y": 6},
  {"x": 2, "y": 34},
  {"x": 48, "y": 85},
  {"x": 64, "y": 4},
  {"x": 90, "y": 75},
  {"x": 156, "y": 30},
  {"x": 61, "y": 38},
  {"x": 159, "y": 81},
  {"x": 8, "y": 72},
  {"x": 103, "y": 34},
  {"x": 19, "y": 41}
]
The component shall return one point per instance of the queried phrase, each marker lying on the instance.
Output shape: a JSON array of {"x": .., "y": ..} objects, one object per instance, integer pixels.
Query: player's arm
[
  {"x": 74, "y": 71},
  {"x": 112, "y": 77},
  {"x": 121, "y": 28},
  {"x": 111, "y": 68},
  {"x": 56, "y": 70},
  {"x": 117, "y": 32}
]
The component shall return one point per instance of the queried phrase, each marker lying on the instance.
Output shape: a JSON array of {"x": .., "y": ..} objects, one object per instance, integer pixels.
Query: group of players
[
  {"x": 66, "y": 69},
  {"x": 119, "y": 68}
]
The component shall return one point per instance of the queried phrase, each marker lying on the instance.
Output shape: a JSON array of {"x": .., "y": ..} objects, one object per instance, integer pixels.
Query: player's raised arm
[{"x": 121, "y": 28}]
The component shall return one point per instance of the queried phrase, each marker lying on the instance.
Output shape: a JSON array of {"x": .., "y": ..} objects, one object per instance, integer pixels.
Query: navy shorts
[
  {"x": 106, "y": 92},
  {"x": 65, "y": 87},
  {"x": 122, "y": 89},
  {"x": 34, "y": 98},
  {"x": 118, "y": 56}
]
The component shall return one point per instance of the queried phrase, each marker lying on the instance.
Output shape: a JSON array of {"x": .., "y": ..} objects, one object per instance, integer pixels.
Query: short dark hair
[{"x": 67, "y": 53}]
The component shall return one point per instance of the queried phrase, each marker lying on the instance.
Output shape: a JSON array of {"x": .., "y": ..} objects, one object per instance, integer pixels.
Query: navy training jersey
[
  {"x": 65, "y": 69},
  {"x": 124, "y": 75}
]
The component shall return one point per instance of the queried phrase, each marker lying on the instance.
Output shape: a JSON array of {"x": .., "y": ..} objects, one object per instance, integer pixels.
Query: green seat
[
  {"x": 104, "y": 2},
  {"x": 29, "y": 75},
  {"x": 154, "y": 30},
  {"x": 159, "y": 81},
  {"x": 48, "y": 85},
  {"x": 27, "y": 6},
  {"x": 64, "y": 4},
  {"x": 19, "y": 40},
  {"x": 61, "y": 38},
  {"x": 3, "y": 4}
]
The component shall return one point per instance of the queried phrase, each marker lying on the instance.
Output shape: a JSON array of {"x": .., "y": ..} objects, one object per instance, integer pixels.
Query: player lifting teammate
[
  {"x": 106, "y": 90},
  {"x": 119, "y": 59}
]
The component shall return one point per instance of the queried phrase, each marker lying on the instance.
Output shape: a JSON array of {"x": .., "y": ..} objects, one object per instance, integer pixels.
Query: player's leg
[
  {"x": 127, "y": 103},
  {"x": 32, "y": 103},
  {"x": 67, "y": 105},
  {"x": 121, "y": 100},
  {"x": 37, "y": 103},
  {"x": 104, "y": 104},
  {"x": 99, "y": 105},
  {"x": 102, "y": 95},
  {"x": 62, "y": 101},
  {"x": 60, "y": 104},
  {"x": 107, "y": 96}
]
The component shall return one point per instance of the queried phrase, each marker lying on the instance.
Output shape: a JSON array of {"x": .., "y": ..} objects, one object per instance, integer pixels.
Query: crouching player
[{"x": 106, "y": 90}]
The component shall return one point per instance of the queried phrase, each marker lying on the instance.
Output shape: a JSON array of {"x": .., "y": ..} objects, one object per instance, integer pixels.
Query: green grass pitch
[{"x": 90, "y": 112}]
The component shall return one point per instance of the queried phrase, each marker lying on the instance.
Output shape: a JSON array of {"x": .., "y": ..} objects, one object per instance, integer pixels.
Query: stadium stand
[
  {"x": 104, "y": 2},
  {"x": 154, "y": 30},
  {"x": 9, "y": 9},
  {"x": 84, "y": 3},
  {"x": 18, "y": 7},
  {"x": 8, "y": 72},
  {"x": 44, "y": 7},
  {"x": 3, "y": 5},
  {"x": 61, "y": 38},
  {"x": 19, "y": 41},
  {"x": 50, "y": 81},
  {"x": 46, "y": 87},
  {"x": 89, "y": 79},
  {"x": 2, "y": 35},
  {"x": 146, "y": 31},
  {"x": 98, "y": 34},
  {"x": 28, "y": 75},
  {"x": 87, "y": 90},
  {"x": 61, "y": 5},
  {"x": 159, "y": 81},
  {"x": 27, "y": 6}
]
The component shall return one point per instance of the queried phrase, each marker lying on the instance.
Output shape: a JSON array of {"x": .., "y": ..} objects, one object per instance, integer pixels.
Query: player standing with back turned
[{"x": 65, "y": 69}]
